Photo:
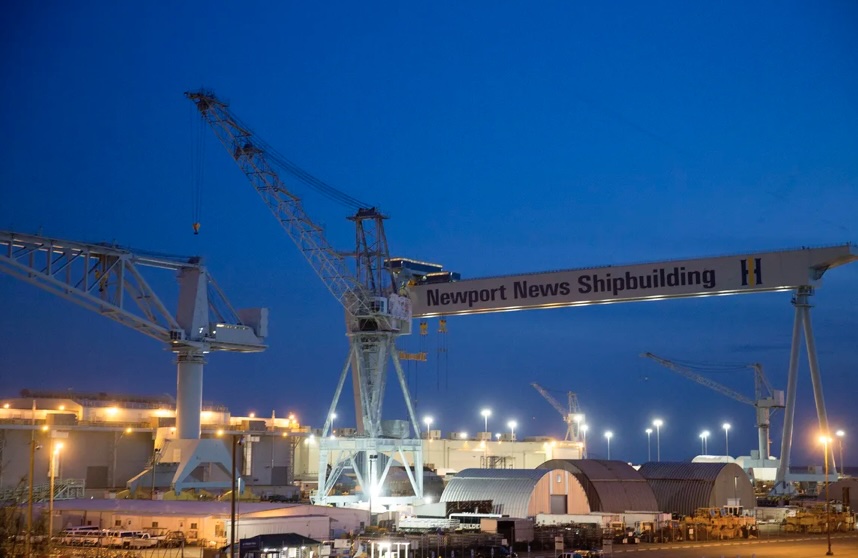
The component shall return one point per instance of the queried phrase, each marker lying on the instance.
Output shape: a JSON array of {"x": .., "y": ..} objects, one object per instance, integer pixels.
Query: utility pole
[{"x": 27, "y": 546}]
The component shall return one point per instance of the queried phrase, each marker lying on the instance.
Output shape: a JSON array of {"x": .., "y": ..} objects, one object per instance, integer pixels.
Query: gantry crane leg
[
  {"x": 368, "y": 354},
  {"x": 801, "y": 322}
]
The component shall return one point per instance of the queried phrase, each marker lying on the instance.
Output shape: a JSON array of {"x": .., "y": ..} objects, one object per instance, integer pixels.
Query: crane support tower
[
  {"x": 572, "y": 415},
  {"x": 109, "y": 280},
  {"x": 765, "y": 398},
  {"x": 798, "y": 271},
  {"x": 376, "y": 315}
]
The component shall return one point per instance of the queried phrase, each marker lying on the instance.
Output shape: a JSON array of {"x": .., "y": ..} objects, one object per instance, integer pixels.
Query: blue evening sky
[{"x": 500, "y": 137}]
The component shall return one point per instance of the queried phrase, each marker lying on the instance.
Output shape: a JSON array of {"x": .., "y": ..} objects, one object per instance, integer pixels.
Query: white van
[{"x": 84, "y": 535}]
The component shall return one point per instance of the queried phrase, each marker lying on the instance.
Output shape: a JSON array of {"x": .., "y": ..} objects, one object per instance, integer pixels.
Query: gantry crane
[
  {"x": 109, "y": 280},
  {"x": 572, "y": 414},
  {"x": 376, "y": 313},
  {"x": 765, "y": 398}
]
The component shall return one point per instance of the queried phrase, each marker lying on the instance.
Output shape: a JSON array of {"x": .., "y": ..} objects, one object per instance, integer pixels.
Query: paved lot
[{"x": 843, "y": 546}]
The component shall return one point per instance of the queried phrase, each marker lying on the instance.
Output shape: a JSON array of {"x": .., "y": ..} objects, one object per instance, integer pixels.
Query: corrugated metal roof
[
  {"x": 611, "y": 486},
  {"x": 684, "y": 487},
  {"x": 681, "y": 471},
  {"x": 509, "y": 489}
]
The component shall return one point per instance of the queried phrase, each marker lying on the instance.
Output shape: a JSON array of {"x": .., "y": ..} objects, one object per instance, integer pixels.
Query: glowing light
[
  {"x": 463, "y": 435},
  {"x": 112, "y": 411},
  {"x": 252, "y": 414},
  {"x": 128, "y": 430},
  {"x": 219, "y": 432},
  {"x": 62, "y": 407}
]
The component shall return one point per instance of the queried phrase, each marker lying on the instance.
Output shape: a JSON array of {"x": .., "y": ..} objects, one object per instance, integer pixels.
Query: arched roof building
[
  {"x": 610, "y": 486},
  {"x": 520, "y": 492},
  {"x": 684, "y": 487}
]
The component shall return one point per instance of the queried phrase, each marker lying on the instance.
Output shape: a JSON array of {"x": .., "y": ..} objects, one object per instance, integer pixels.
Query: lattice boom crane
[
  {"x": 376, "y": 314},
  {"x": 572, "y": 415},
  {"x": 765, "y": 399}
]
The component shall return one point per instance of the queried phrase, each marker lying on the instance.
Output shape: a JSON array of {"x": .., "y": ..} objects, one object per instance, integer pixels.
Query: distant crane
[
  {"x": 765, "y": 398},
  {"x": 108, "y": 280},
  {"x": 572, "y": 415}
]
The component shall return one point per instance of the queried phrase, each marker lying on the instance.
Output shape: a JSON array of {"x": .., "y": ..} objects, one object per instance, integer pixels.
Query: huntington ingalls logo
[{"x": 752, "y": 272}]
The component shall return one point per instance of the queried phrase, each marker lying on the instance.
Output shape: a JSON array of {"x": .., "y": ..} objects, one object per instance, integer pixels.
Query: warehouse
[
  {"x": 684, "y": 487},
  {"x": 208, "y": 523},
  {"x": 610, "y": 486},
  {"x": 519, "y": 492}
]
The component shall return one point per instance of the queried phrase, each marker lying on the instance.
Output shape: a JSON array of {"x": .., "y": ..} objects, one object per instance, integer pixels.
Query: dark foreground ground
[{"x": 811, "y": 546}]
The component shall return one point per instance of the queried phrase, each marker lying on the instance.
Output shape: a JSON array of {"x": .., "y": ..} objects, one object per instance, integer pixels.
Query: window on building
[
  {"x": 193, "y": 525},
  {"x": 154, "y": 524},
  {"x": 117, "y": 523}
]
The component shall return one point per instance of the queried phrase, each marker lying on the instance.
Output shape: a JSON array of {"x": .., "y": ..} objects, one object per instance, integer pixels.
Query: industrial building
[
  {"x": 520, "y": 492},
  {"x": 100, "y": 443},
  {"x": 209, "y": 523},
  {"x": 610, "y": 486},
  {"x": 684, "y": 487}
]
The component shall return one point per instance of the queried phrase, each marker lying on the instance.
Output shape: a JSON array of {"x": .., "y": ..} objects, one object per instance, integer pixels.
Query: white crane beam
[{"x": 754, "y": 272}]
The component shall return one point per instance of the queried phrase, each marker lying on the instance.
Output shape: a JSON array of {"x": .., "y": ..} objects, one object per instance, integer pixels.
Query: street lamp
[
  {"x": 825, "y": 440},
  {"x": 658, "y": 423},
  {"x": 486, "y": 414},
  {"x": 584, "y": 429},
  {"x": 726, "y": 427},
  {"x": 428, "y": 421},
  {"x": 512, "y": 424},
  {"x": 55, "y": 452},
  {"x": 608, "y": 436},
  {"x": 840, "y": 434},
  {"x": 704, "y": 437},
  {"x": 648, "y": 444}
]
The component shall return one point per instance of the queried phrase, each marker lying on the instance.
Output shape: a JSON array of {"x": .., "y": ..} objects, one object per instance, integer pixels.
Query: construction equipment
[
  {"x": 376, "y": 313},
  {"x": 814, "y": 518},
  {"x": 572, "y": 415},
  {"x": 109, "y": 280},
  {"x": 765, "y": 398},
  {"x": 717, "y": 524}
]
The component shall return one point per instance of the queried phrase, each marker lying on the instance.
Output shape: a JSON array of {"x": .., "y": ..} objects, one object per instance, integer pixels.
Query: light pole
[
  {"x": 648, "y": 444},
  {"x": 512, "y": 424},
  {"x": 657, "y": 423},
  {"x": 703, "y": 439},
  {"x": 584, "y": 429},
  {"x": 840, "y": 434},
  {"x": 825, "y": 441},
  {"x": 55, "y": 452},
  {"x": 726, "y": 427},
  {"x": 608, "y": 436},
  {"x": 486, "y": 414},
  {"x": 428, "y": 421}
]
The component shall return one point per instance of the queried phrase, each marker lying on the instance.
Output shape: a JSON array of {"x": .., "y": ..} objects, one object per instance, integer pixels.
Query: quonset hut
[
  {"x": 684, "y": 487},
  {"x": 610, "y": 486},
  {"x": 519, "y": 492}
]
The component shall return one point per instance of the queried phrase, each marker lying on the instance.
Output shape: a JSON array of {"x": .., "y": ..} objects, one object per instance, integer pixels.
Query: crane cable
[
  {"x": 198, "y": 148},
  {"x": 313, "y": 182}
]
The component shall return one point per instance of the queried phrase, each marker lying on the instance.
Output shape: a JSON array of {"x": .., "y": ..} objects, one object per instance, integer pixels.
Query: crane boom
[
  {"x": 702, "y": 380},
  {"x": 766, "y": 398},
  {"x": 569, "y": 415},
  {"x": 109, "y": 281},
  {"x": 251, "y": 155}
]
